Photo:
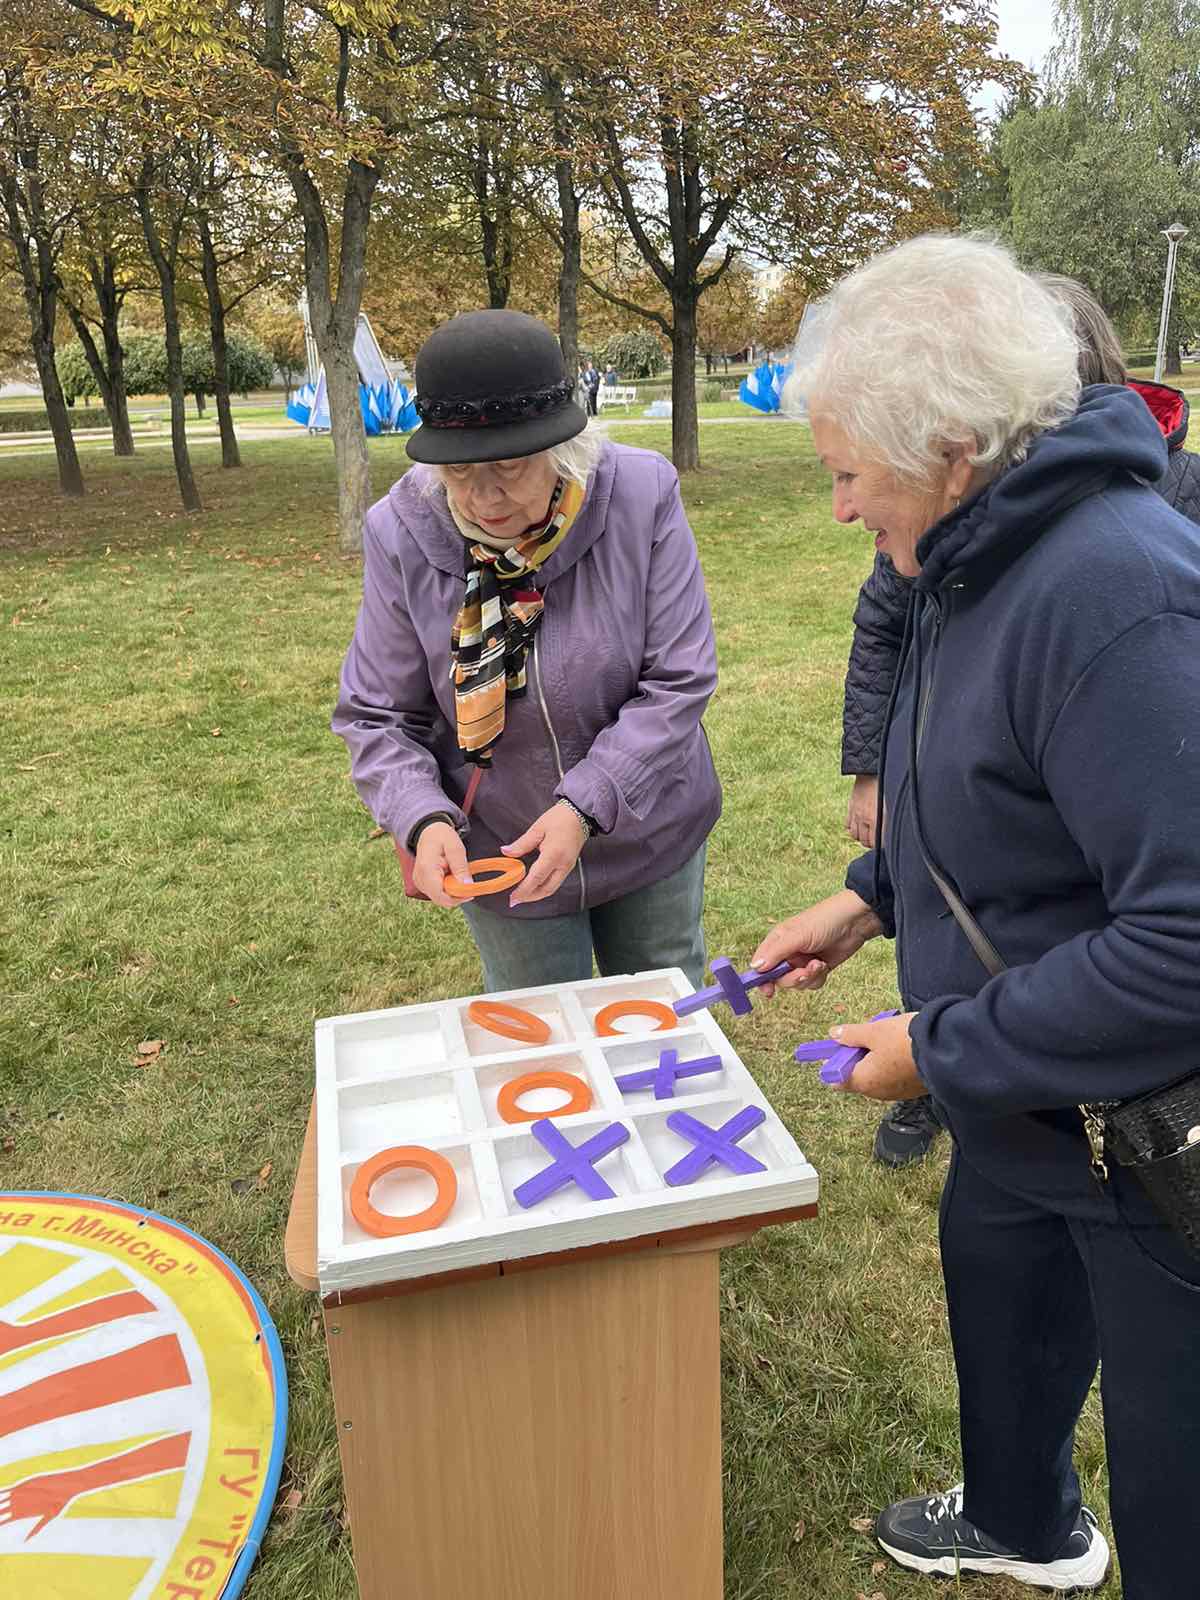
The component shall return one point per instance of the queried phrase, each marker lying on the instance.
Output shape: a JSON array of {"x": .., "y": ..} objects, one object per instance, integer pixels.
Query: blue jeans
[{"x": 658, "y": 926}]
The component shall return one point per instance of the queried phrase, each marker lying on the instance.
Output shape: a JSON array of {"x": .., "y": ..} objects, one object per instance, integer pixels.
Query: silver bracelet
[{"x": 589, "y": 826}]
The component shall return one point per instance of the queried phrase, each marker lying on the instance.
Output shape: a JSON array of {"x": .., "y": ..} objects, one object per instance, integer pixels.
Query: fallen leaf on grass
[
  {"x": 799, "y": 1531},
  {"x": 862, "y": 1524},
  {"x": 252, "y": 1180},
  {"x": 8, "y": 1146},
  {"x": 293, "y": 1500},
  {"x": 149, "y": 1051},
  {"x": 878, "y": 1567},
  {"x": 377, "y": 833}
]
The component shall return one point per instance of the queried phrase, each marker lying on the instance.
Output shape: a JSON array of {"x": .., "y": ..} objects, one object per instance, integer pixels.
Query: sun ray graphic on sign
[{"x": 142, "y": 1407}]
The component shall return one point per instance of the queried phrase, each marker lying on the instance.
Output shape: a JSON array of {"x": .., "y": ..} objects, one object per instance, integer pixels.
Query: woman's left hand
[
  {"x": 558, "y": 836},
  {"x": 888, "y": 1071}
]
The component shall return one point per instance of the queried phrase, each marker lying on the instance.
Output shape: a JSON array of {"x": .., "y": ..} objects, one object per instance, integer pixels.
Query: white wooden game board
[{"x": 427, "y": 1075}]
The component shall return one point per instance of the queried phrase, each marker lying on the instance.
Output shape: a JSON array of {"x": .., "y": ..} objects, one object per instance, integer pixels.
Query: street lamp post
[{"x": 1173, "y": 235}]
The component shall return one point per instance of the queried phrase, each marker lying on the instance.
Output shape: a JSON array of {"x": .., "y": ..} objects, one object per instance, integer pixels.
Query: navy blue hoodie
[{"x": 1057, "y": 647}]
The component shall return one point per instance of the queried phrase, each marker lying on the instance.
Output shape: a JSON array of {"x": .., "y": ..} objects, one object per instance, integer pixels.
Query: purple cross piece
[
  {"x": 840, "y": 1059},
  {"x": 714, "y": 1144},
  {"x": 662, "y": 1077},
  {"x": 573, "y": 1163},
  {"x": 730, "y": 985}
]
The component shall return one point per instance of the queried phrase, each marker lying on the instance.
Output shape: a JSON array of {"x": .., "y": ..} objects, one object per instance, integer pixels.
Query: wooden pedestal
[{"x": 544, "y": 1430}]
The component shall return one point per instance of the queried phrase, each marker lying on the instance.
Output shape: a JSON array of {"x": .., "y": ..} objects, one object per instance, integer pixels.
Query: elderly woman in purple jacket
[{"x": 533, "y": 606}]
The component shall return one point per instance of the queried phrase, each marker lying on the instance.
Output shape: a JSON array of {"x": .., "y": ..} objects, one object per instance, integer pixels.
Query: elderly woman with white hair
[
  {"x": 534, "y": 613},
  {"x": 1039, "y": 868}
]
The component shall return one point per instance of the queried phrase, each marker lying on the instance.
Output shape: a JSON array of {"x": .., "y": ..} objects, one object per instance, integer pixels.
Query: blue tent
[
  {"x": 300, "y": 409},
  {"x": 764, "y": 387},
  {"x": 403, "y": 414}
]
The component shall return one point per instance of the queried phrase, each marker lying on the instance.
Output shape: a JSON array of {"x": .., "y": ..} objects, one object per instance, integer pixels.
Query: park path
[{"x": 24, "y": 444}]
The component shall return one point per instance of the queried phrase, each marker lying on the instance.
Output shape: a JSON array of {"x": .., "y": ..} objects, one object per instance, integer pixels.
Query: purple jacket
[{"x": 622, "y": 668}]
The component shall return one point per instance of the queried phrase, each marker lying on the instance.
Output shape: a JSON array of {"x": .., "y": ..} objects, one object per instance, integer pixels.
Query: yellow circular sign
[{"x": 143, "y": 1406}]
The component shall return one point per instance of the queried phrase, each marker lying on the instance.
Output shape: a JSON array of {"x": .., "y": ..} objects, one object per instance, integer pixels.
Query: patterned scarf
[{"x": 500, "y": 614}]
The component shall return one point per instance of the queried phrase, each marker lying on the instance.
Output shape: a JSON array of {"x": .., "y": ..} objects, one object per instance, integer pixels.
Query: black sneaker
[
  {"x": 931, "y": 1535},
  {"x": 906, "y": 1132}
]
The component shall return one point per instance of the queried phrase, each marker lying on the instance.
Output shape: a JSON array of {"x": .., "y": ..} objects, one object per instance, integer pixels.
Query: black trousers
[
  {"x": 1036, "y": 1298},
  {"x": 591, "y": 402}
]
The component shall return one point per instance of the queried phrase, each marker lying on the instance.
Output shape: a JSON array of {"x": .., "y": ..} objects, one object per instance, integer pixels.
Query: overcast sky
[{"x": 1026, "y": 33}]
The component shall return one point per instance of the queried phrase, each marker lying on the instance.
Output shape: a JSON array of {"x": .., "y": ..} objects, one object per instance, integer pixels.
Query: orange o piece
[
  {"x": 510, "y": 873},
  {"x": 385, "y": 1161},
  {"x": 506, "y": 1100},
  {"x": 509, "y": 1021},
  {"x": 654, "y": 1009}
]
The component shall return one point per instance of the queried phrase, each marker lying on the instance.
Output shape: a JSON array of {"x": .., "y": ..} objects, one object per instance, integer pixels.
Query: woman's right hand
[
  {"x": 817, "y": 940},
  {"x": 439, "y": 850}
]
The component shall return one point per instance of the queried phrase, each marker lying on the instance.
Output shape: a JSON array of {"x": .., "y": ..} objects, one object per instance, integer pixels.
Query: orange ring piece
[
  {"x": 509, "y": 1021},
  {"x": 506, "y": 1100},
  {"x": 654, "y": 1009},
  {"x": 511, "y": 872},
  {"x": 385, "y": 1161}
]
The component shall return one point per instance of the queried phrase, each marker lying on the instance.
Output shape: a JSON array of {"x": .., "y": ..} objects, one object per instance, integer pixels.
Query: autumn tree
[
  {"x": 326, "y": 94},
  {"x": 782, "y": 308},
  {"x": 16, "y": 354},
  {"x": 1111, "y": 156},
  {"x": 774, "y": 129},
  {"x": 35, "y": 211},
  {"x": 101, "y": 260},
  {"x": 279, "y": 329},
  {"x": 727, "y": 317},
  {"x": 240, "y": 231}
]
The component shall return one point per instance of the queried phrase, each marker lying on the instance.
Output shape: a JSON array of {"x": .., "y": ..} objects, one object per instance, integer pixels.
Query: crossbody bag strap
[
  {"x": 979, "y": 941},
  {"x": 994, "y": 964}
]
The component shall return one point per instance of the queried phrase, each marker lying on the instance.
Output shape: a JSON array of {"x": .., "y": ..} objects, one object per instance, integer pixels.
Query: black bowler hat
[{"x": 491, "y": 386}]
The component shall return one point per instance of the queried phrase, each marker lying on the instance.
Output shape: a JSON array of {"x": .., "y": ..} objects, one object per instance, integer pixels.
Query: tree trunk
[
  {"x": 164, "y": 265},
  {"x": 102, "y": 272},
  {"x": 112, "y": 395},
  {"x": 349, "y": 444},
  {"x": 118, "y": 409},
  {"x": 685, "y": 429},
  {"x": 70, "y": 475},
  {"x": 334, "y": 324},
  {"x": 568, "y": 272},
  {"x": 216, "y": 323},
  {"x": 39, "y": 279},
  {"x": 97, "y": 368}
]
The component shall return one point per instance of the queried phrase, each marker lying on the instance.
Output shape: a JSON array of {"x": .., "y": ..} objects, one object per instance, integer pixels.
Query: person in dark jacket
[
  {"x": 1042, "y": 758},
  {"x": 908, "y": 1129}
]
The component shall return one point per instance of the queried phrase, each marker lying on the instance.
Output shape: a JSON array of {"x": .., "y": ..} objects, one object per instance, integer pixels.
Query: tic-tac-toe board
[{"x": 429, "y": 1076}]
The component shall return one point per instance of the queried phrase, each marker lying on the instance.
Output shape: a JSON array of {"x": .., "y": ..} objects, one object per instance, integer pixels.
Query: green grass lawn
[{"x": 183, "y": 858}]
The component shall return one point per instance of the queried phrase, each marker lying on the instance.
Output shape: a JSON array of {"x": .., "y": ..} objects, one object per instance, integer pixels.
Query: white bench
[{"x": 616, "y": 395}]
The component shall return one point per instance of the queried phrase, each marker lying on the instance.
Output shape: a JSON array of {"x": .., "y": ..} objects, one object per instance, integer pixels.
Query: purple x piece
[
  {"x": 572, "y": 1163},
  {"x": 730, "y": 985},
  {"x": 840, "y": 1059},
  {"x": 662, "y": 1077},
  {"x": 714, "y": 1144}
]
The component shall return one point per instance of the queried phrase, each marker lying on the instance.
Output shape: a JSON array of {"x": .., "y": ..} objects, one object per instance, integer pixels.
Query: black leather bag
[{"x": 1155, "y": 1135}]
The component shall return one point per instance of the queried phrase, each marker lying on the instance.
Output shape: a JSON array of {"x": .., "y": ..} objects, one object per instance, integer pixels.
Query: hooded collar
[
  {"x": 1170, "y": 408},
  {"x": 431, "y": 525},
  {"x": 1111, "y": 432}
]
